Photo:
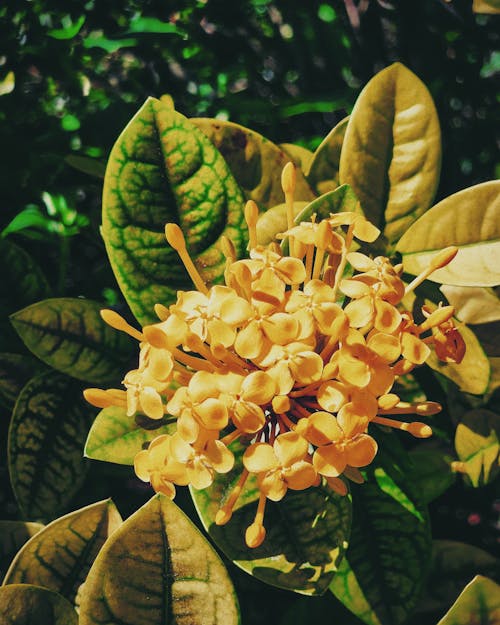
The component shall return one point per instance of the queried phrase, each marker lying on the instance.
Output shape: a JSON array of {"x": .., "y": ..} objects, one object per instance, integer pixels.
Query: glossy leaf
[
  {"x": 470, "y": 220},
  {"x": 391, "y": 152},
  {"x": 69, "y": 335},
  {"x": 382, "y": 575},
  {"x": 480, "y": 598},
  {"x": 13, "y": 535},
  {"x": 158, "y": 568},
  {"x": 323, "y": 172},
  {"x": 473, "y": 305},
  {"x": 15, "y": 371},
  {"x": 302, "y": 558},
  {"x": 477, "y": 444},
  {"x": 87, "y": 165},
  {"x": 24, "y": 604},
  {"x": 60, "y": 556},
  {"x": 116, "y": 437},
  {"x": 255, "y": 162},
  {"x": 431, "y": 472},
  {"x": 299, "y": 155},
  {"x": 163, "y": 169},
  {"x": 46, "y": 438}
]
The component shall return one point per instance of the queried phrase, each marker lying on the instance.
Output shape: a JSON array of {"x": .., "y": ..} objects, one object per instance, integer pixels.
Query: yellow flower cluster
[{"x": 289, "y": 356}]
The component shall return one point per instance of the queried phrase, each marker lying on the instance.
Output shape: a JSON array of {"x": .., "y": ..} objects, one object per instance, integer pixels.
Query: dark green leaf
[
  {"x": 69, "y": 335},
  {"x": 87, "y": 165},
  {"x": 431, "y": 472},
  {"x": 158, "y": 568},
  {"x": 480, "y": 599},
  {"x": 13, "y": 535},
  {"x": 23, "y": 604},
  {"x": 15, "y": 371}
]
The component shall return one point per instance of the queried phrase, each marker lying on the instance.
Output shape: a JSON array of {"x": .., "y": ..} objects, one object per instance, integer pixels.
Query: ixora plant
[{"x": 281, "y": 344}]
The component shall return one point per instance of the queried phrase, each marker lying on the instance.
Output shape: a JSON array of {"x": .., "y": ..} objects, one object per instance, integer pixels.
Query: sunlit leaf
[
  {"x": 486, "y": 6},
  {"x": 163, "y": 169},
  {"x": 300, "y": 155},
  {"x": 477, "y": 445},
  {"x": 13, "y": 535},
  {"x": 95, "y": 40},
  {"x": 87, "y": 165},
  {"x": 59, "y": 557},
  {"x": 141, "y": 24},
  {"x": 480, "y": 598},
  {"x": 69, "y": 335},
  {"x": 8, "y": 84},
  {"x": 473, "y": 304},
  {"x": 431, "y": 472},
  {"x": 391, "y": 152},
  {"x": 302, "y": 558},
  {"x": 15, "y": 371},
  {"x": 23, "y": 604},
  {"x": 341, "y": 199},
  {"x": 67, "y": 32},
  {"x": 274, "y": 220},
  {"x": 158, "y": 568},
  {"x": 116, "y": 437},
  {"x": 255, "y": 162},
  {"x": 323, "y": 172},
  {"x": 46, "y": 438},
  {"x": 470, "y": 220}
]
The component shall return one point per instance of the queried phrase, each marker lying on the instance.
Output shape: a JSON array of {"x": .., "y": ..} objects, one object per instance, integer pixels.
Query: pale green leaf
[
  {"x": 477, "y": 445},
  {"x": 323, "y": 172},
  {"x": 480, "y": 599},
  {"x": 274, "y": 221},
  {"x": 300, "y": 156},
  {"x": 473, "y": 304}
]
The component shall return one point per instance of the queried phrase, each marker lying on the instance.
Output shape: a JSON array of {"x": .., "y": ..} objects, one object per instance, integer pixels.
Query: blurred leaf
[
  {"x": 15, "y": 371},
  {"x": 306, "y": 532},
  {"x": 477, "y": 444},
  {"x": 69, "y": 335},
  {"x": 30, "y": 217},
  {"x": 301, "y": 157},
  {"x": 23, "y": 604},
  {"x": 158, "y": 568},
  {"x": 480, "y": 598},
  {"x": 116, "y": 437},
  {"x": 69, "y": 31},
  {"x": 255, "y": 162},
  {"x": 323, "y": 172},
  {"x": 486, "y": 6},
  {"x": 87, "y": 165},
  {"x": 392, "y": 151},
  {"x": 70, "y": 123},
  {"x": 274, "y": 220},
  {"x": 163, "y": 169},
  {"x": 431, "y": 472},
  {"x": 470, "y": 220},
  {"x": 13, "y": 535},
  {"x": 473, "y": 304},
  {"x": 59, "y": 557},
  {"x": 8, "y": 84},
  {"x": 46, "y": 438},
  {"x": 109, "y": 45},
  {"x": 140, "y": 24}
]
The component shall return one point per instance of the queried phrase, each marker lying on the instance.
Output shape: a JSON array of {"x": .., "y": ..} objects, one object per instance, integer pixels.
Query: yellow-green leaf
[
  {"x": 477, "y": 445},
  {"x": 24, "y": 604},
  {"x": 158, "y": 568},
  {"x": 480, "y": 599},
  {"x": 300, "y": 155},
  {"x": 392, "y": 150},
  {"x": 69, "y": 335},
  {"x": 306, "y": 532},
  {"x": 470, "y": 220},
  {"x": 59, "y": 557},
  {"x": 255, "y": 162},
  {"x": 486, "y": 6},
  {"x": 13, "y": 535},
  {"x": 473, "y": 305},
  {"x": 15, "y": 371},
  {"x": 116, "y": 437},
  {"x": 46, "y": 437},
  {"x": 274, "y": 221},
  {"x": 323, "y": 172},
  {"x": 163, "y": 169}
]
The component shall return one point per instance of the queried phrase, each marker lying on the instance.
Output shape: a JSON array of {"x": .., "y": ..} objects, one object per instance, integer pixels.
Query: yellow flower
[{"x": 157, "y": 465}]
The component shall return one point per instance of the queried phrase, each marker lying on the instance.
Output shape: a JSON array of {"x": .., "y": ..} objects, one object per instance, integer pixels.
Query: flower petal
[
  {"x": 260, "y": 457},
  {"x": 272, "y": 485},
  {"x": 300, "y": 475},
  {"x": 361, "y": 451},
  {"x": 258, "y": 387},
  {"x": 329, "y": 461},
  {"x": 219, "y": 456},
  {"x": 289, "y": 448}
]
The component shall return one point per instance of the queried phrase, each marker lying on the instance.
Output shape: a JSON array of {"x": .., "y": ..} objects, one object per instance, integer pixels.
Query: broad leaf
[
  {"x": 274, "y": 221},
  {"x": 87, "y": 165},
  {"x": 255, "y": 162},
  {"x": 15, "y": 371},
  {"x": 392, "y": 151},
  {"x": 60, "y": 556},
  {"x": 299, "y": 155},
  {"x": 116, "y": 437},
  {"x": 323, "y": 172},
  {"x": 382, "y": 575},
  {"x": 13, "y": 535},
  {"x": 46, "y": 438},
  {"x": 431, "y": 472},
  {"x": 163, "y": 169},
  {"x": 477, "y": 444},
  {"x": 158, "y": 568},
  {"x": 69, "y": 335},
  {"x": 470, "y": 220},
  {"x": 473, "y": 305},
  {"x": 23, "y": 604},
  {"x": 306, "y": 532},
  {"x": 479, "y": 599},
  {"x": 342, "y": 199}
]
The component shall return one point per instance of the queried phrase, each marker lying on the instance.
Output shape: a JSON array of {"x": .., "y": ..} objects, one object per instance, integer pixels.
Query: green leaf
[
  {"x": 8, "y": 84},
  {"x": 69, "y": 31},
  {"x": 323, "y": 172},
  {"x": 163, "y": 169},
  {"x": 116, "y": 437},
  {"x": 382, "y": 575},
  {"x": 274, "y": 220},
  {"x": 470, "y": 220},
  {"x": 306, "y": 532},
  {"x": 139, "y": 24},
  {"x": 13, "y": 535},
  {"x": 473, "y": 305},
  {"x": 15, "y": 371},
  {"x": 392, "y": 151},
  {"x": 23, "y": 604},
  {"x": 69, "y": 335},
  {"x": 480, "y": 599},
  {"x": 59, "y": 557},
  {"x": 431, "y": 472},
  {"x": 255, "y": 162},
  {"x": 46, "y": 438},
  {"x": 300, "y": 156},
  {"x": 341, "y": 199},
  {"x": 477, "y": 445},
  {"x": 87, "y": 165},
  {"x": 109, "y": 45},
  {"x": 29, "y": 217},
  {"x": 158, "y": 568}
]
